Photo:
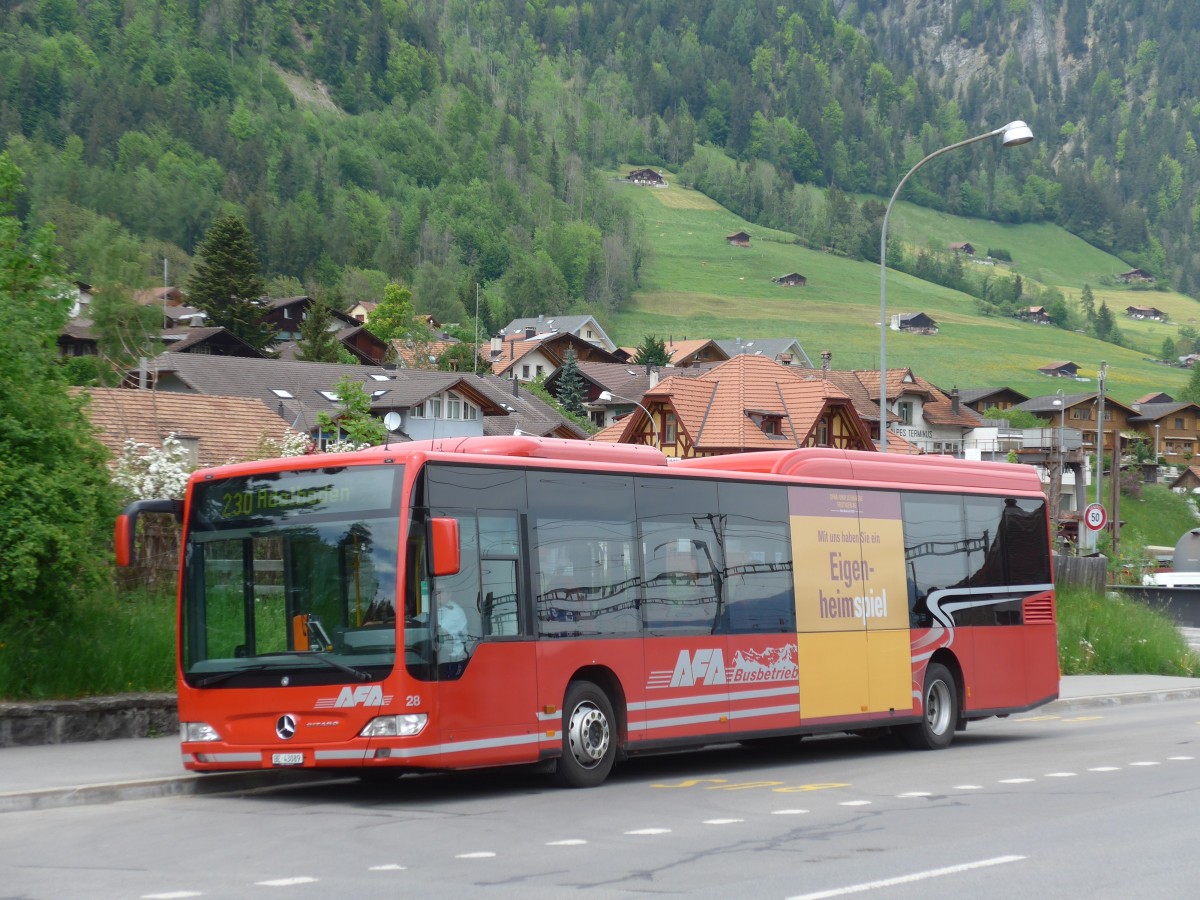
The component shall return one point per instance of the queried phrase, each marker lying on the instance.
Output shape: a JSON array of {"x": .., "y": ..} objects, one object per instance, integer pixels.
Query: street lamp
[
  {"x": 1061, "y": 402},
  {"x": 1011, "y": 135},
  {"x": 607, "y": 396}
]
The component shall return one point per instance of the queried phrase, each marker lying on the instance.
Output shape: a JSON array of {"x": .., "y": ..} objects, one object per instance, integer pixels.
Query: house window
[
  {"x": 434, "y": 405},
  {"x": 823, "y": 432},
  {"x": 525, "y": 373},
  {"x": 453, "y": 406},
  {"x": 1179, "y": 424},
  {"x": 418, "y": 411},
  {"x": 539, "y": 371},
  {"x": 905, "y": 411},
  {"x": 669, "y": 429},
  {"x": 282, "y": 394}
]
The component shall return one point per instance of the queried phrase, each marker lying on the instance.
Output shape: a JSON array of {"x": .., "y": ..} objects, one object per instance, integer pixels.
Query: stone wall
[{"x": 89, "y": 719}]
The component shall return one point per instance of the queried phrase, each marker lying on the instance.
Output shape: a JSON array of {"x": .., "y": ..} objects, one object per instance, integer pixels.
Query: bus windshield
[{"x": 290, "y": 578}]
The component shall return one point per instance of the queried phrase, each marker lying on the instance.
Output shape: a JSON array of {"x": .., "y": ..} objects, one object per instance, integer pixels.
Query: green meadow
[{"x": 694, "y": 285}]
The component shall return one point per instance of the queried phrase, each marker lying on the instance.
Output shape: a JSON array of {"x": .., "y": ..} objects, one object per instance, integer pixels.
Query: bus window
[
  {"x": 587, "y": 570},
  {"x": 681, "y": 556},
  {"x": 936, "y": 550},
  {"x": 758, "y": 559}
]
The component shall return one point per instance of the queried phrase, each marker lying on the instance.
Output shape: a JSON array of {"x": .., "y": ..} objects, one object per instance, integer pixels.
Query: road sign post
[{"x": 1095, "y": 517}]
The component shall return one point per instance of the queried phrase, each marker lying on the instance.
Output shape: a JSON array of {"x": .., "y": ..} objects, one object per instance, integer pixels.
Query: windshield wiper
[
  {"x": 333, "y": 663},
  {"x": 225, "y": 676},
  {"x": 210, "y": 680}
]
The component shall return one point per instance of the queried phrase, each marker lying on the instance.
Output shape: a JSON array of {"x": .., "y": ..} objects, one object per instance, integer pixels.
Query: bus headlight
[
  {"x": 198, "y": 731},
  {"x": 395, "y": 726}
]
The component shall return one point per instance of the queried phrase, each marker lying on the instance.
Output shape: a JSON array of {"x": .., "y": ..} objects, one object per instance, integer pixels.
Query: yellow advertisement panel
[{"x": 848, "y": 554}]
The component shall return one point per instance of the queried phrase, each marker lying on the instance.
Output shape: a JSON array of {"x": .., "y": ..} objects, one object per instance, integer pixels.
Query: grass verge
[
  {"x": 102, "y": 646},
  {"x": 1103, "y": 635}
]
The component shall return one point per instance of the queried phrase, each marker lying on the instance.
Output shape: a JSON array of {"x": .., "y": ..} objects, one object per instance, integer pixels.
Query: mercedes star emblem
[{"x": 285, "y": 727}]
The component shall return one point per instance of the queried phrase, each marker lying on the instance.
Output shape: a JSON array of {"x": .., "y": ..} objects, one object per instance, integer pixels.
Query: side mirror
[
  {"x": 446, "y": 555},
  {"x": 126, "y": 528}
]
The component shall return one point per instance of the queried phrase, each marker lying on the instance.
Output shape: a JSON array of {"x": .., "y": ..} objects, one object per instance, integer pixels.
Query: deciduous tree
[{"x": 56, "y": 498}]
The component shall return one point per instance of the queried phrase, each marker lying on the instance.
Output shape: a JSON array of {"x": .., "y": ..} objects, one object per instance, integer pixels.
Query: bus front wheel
[
  {"x": 939, "y": 711},
  {"x": 589, "y": 737}
]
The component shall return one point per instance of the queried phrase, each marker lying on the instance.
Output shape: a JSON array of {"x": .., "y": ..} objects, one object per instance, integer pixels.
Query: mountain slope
[{"x": 697, "y": 286}]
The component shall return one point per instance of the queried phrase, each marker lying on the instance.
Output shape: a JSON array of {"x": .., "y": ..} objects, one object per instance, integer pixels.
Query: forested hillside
[{"x": 450, "y": 144}]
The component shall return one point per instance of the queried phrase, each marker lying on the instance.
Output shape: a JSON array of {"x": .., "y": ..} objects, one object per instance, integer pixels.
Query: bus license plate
[{"x": 287, "y": 759}]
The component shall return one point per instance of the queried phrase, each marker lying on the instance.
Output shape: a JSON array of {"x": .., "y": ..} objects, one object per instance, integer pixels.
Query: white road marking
[
  {"x": 1105, "y": 769},
  {"x": 1181, "y": 757},
  {"x": 907, "y": 879},
  {"x": 1060, "y": 775},
  {"x": 569, "y": 842},
  {"x": 650, "y": 831},
  {"x": 286, "y": 882},
  {"x": 172, "y": 895},
  {"x": 390, "y": 867},
  {"x": 855, "y": 803},
  {"x": 722, "y": 821},
  {"x": 789, "y": 812},
  {"x": 1015, "y": 780},
  {"x": 968, "y": 787},
  {"x": 916, "y": 794},
  {"x": 1144, "y": 764},
  {"x": 480, "y": 854}
]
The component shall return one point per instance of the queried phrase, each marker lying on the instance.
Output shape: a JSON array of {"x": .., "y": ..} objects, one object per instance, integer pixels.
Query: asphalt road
[{"x": 1097, "y": 803}]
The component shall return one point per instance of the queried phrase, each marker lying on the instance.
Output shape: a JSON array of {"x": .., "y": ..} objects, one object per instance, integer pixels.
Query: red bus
[{"x": 487, "y": 601}]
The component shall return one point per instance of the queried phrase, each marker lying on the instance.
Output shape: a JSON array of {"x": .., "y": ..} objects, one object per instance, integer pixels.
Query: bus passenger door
[{"x": 487, "y": 680}]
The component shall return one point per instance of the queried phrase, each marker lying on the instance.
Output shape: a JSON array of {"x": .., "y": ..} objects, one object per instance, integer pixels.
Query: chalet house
[
  {"x": 540, "y": 355},
  {"x": 792, "y": 279},
  {"x": 286, "y": 314},
  {"x": 1146, "y": 312},
  {"x": 682, "y": 354},
  {"x": 1152, "y": 397},
  {"x": 77, "y": 339},
  {"x": 585, "y": 327},
  {"x": 410, "y": 354},
  {"x": 208, "y": 341},
  {"x": 748, "y": 403},
  {"x": 963, "y": 247},
  {"x": 1079, "y": 411},
  {"x": 1188, "y": 480},
  {"x": 1136, "y": 276},
  {"x": 738, "y": 239},
  {"x": 1060, "y": 370},
  {"x": 646, "y": 177},
  {"x": 785, "y": 351},
  {"x": 927, "y": 418},
  {"x": 361, "y": 311},
  {"x": 914, "y": 323},
  {"x": 215, "y": 430},
  {"x": 980, "y": 399},
  {"x": 1036, "y": 314},
  {"x": 165, "y": 296},
  {"x": 1171, "y": 428}
]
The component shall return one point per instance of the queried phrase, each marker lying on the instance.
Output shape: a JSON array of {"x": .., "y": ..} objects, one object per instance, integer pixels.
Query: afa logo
[
  {"x": 702, "y": 667},
  {"x": 363, "y": 695}
]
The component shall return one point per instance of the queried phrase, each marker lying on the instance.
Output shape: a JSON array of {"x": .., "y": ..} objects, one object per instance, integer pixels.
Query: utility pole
[{"x": 1100, "y": 434}]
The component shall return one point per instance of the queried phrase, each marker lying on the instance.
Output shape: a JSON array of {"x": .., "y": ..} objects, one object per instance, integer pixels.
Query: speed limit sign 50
[{"x": 1094, "y": 517}]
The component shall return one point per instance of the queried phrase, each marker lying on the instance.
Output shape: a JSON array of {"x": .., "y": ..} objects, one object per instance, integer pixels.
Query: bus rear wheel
[
  {"x": 939, "y": 705},
  {"x": 588, "y": 735}
]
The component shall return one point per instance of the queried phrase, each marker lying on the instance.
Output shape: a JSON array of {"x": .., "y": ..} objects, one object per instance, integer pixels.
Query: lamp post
[
  {"x": 1011, "y": 135},
  {"x": 606, "y": 396}
]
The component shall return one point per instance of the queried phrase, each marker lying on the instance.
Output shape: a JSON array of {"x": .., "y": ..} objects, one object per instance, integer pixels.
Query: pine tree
[
  {"x": 318, "y": 340},
  {"x": 1087, "y": 302},
  {"x": 1191, "y": 392},
  {"x": 570, "y": 384},
  {"x": 652, "y": 350},
  {"x": 226, "y": 283}
]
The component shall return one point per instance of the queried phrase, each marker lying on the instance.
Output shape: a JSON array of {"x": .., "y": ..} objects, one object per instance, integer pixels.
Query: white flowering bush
[
  {"x": 294, "y": 443},
  {"x": 148, "y": 473},
  {"x": 345, "y": 446}
]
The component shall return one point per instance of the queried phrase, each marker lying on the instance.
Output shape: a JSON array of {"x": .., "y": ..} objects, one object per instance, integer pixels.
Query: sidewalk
[{"x": 57, "y": 775}]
